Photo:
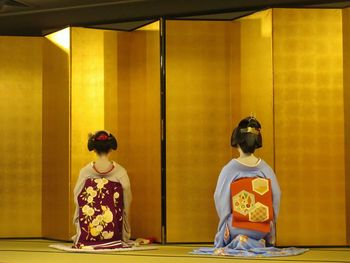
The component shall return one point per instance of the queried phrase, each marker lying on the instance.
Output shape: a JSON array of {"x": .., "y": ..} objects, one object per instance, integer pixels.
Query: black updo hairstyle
[
  {"x": 247, "y": 135},
  {"x": 102, "y": 142}
]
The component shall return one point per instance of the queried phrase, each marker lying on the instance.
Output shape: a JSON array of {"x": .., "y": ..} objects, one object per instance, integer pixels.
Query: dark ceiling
[{"x": 39, "y": 17}]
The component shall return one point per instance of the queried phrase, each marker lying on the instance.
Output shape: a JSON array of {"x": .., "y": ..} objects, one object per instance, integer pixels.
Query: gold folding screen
[
  {"x": 197, "y": 112},
  {"x": 309, "y": 126},
  {"x": 87, "y": 97},
  {"x": 56, "y": 135},
  {"x": 285, "y": 65},
  {"x": 290, "y": 67},
  {"x": 20, "y": 129},
  {"x": 209, "y": 88},
  {"x": 346, "y": 87},
  {"x": 138, "y": 125},
  {"x": 100, "y": 81},
  {"x": 254, "y": 92}
]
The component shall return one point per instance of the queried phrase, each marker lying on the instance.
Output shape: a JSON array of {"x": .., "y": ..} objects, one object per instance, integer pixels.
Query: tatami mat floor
[{"x": 37, "y": 250}]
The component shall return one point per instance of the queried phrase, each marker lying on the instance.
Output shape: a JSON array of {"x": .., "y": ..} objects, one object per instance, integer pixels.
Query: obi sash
[
  {"x": 252, "y": 204},
  {"x": 100, "y": 214}
]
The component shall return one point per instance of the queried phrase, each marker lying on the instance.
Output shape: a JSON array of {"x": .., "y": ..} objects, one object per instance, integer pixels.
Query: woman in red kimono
[{"x": 102, "y": 197}]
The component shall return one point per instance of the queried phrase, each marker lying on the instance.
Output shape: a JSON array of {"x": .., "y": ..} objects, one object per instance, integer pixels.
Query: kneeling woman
[
  {"x": 247, "y": 195},
  {"x": 102, "y": 197},
  {"x": 247, "y": 199}
]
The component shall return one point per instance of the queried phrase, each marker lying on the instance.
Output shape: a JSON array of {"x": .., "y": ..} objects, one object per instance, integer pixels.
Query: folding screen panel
[
  {"x": 309, "y": 126},
  {"x": 346, "y": 84},
  {"x": 252, "y": 93},
  {"x": 105, "y": 80},
  {"x": 20, "y": 129},
  {"x": 137, "y": 122},
  {"x": 198, "y": 127},
  {"x": 56, "y": 135},
  {"x": 87, "y": 98},
  {"x": 217, "y": 73}
]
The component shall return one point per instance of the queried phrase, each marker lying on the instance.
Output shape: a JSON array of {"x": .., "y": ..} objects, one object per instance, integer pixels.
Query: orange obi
[{"x": 252, "y": 204}]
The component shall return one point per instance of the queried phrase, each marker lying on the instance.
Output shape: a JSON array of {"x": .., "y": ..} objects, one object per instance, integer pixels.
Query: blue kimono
[
  {"x": 232, "y": 241},
  {"x": 233, "y": 171}
]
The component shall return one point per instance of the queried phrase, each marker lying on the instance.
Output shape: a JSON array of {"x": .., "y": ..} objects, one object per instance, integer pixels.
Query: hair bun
[
  {"x": 247, "y": 135},
  {"x": 102, "y": 142}
]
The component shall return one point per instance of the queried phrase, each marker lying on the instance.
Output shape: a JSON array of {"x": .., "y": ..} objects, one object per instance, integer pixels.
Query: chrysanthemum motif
[
  {"x": 95, "y": 222},
  {"x": 85, "y": 208},
  {"x": 107, "y": 214},
  {"x": 90, "y": 199},
  {"x": 101, "y": 182},
  {"x": 97, "y": 215},
  {"x": 90, "y": 190},
  {"x": 95, "y": 231},
  {"x": 88, "y": 211},
  {"x": 107, "y": 234},
  {"x": 99, "y": 218}
]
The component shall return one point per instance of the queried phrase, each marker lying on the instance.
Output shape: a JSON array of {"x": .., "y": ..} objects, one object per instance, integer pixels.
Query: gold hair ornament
[
  {"x": 252, "y": 116},
  {"x": 251, "y": 130}
]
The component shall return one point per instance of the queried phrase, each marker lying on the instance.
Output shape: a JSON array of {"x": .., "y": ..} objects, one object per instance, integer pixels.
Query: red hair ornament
[{"x": 102, "y": 137}]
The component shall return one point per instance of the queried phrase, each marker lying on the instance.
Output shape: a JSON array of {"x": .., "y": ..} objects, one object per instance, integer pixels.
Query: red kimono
[{"x": 100, "y": 214}]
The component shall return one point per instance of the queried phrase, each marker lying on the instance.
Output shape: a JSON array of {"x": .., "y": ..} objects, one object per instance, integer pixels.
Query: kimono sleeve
[
  {"x": 77, "y": 189},
  {"x": 276, "y": 192},
  {"x": 222, "y": 195},
  {"x": 276, "y": 198},
  {"x": 127, "y": 195}
]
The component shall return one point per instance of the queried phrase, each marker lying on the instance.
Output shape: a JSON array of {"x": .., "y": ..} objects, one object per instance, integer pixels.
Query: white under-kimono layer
[{"x": 118, "y": 174}]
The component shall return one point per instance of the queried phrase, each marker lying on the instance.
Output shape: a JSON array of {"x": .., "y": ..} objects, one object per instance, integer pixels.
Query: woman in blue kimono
[
  {"x": 246, "y": 138},
  {"x": 254, "y": 237}
]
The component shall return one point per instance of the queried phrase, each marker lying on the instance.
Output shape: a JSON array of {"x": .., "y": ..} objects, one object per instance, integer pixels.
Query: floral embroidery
[
  {"x": 107, "y": 234},
  {"x": 88, "y": 211},
  {"x": 90, "y": 190},
  {"x": 101, "y": 187},
  {"x": 89, "y": 194},
  {"x": 95, "y": 222},
  {"x": 95, "y": 231},
  {"x": 101, "y": 211},
  {"x": 101, "y": 182},
  {"x": 107, "y": 215}
]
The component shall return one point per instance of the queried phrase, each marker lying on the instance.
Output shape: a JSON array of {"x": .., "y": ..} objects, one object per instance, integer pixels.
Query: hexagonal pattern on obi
[
  {"x": 259, "y": 213},
  {"x": 260, "y": 185},
  {"x": 243, "y": 202}
]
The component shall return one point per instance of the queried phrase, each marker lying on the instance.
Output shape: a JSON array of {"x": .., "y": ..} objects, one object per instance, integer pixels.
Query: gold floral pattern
[{"x": 96, "y": 217}]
